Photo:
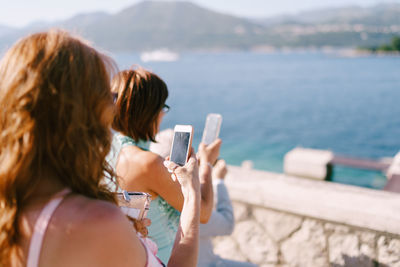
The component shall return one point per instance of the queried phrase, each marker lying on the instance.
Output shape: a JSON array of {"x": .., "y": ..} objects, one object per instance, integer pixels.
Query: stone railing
[{"x": 289, "y": 221}]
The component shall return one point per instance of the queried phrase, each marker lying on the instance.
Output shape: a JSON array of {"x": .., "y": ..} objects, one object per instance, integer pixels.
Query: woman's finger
[
  {"x": 216, "y": 143},
  {"x": 192, "y": 160},
  {"x": 171, "y": 166},
  {"x": 202, "y": 146}
]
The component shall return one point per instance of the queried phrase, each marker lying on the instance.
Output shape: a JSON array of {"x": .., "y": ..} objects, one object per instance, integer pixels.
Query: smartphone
[
  {"x": 181, "y": 144},
  {"x": 212, "y": 127},
  {"x": 134, "y": 204}
]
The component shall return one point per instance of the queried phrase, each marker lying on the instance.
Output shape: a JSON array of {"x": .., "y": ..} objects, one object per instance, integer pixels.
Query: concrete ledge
[{"x": 343, "y": 204}]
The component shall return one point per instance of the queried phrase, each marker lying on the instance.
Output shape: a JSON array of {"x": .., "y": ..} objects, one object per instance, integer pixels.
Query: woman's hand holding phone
[
  {"x": 209, "y": 153},
  {"x": 188, "y": 175}
]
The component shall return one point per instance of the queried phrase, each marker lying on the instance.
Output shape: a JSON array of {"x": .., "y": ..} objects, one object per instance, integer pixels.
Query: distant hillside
[
  {"x": 186, "y": 26},
  {"x": 379, "y": 15},
  {"x": 348, "y": 26}
]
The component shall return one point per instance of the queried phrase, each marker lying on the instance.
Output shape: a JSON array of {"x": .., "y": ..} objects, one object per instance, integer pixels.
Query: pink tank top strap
[
  {"x": 151, "y": 250},
  {"x": 41, "y": 226}
]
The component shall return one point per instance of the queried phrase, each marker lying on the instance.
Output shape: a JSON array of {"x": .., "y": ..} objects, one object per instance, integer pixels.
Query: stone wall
[{"x": 272, "y": 231}]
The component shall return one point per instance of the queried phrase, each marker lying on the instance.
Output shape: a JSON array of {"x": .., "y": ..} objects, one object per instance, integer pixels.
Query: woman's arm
[
  {"x": 145, "y": 171},
  {"x": 222, "y": 220},
  {"x": 185, "y": 250},
  {"x": 208, "y": 155}
]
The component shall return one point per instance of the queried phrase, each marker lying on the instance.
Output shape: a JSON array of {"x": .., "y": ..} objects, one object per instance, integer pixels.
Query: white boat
[{"x": 159, "y": 55}]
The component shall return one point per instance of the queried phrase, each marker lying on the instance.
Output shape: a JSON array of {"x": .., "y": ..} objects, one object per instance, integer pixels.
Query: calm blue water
[{"x": 271, "y": 103}]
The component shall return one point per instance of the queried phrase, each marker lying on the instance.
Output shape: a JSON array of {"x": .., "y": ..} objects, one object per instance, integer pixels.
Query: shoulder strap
[
  {"x": 41, "y": 226},
  {"x": 151, "y": 250}
]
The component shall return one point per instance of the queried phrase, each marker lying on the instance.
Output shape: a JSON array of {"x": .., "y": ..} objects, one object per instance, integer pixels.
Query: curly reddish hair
[{"x": 56, "y": 109}]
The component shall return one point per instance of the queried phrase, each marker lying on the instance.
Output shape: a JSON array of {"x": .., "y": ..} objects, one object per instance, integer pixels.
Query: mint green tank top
[{"x": 164, "y": 218}]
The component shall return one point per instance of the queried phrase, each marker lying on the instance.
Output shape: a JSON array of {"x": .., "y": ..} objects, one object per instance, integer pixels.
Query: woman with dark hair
[
  {"x": 140, "y": 107},
  {"x": 56, "y": 110}
]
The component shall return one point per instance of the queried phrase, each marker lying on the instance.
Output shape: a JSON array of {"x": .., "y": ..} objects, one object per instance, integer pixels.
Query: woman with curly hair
[{"x": 56, "y": 110}]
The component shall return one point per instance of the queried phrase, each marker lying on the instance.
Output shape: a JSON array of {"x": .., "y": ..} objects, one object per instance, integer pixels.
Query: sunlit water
[{"x": 271, "y": 103}]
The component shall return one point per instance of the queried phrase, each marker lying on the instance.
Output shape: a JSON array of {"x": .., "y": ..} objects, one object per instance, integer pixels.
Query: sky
[{"x": 19, "y": 13}]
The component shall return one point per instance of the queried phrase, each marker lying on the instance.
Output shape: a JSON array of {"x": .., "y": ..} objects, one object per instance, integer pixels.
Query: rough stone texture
[
  {"x": 306, "y": 247},
  {"x": 227, "y": 248},
  {"x": 357, "y": 207},
  {"x": 344, "y": 250},
  {"x": 367, "y": 237},
  {"x": 367, "y": 256},
  {"x": 334, "y": 228},
  {"x": 270, "y": 238},
  {"x": 368, "y": 247},
  {"x": 241, "y": 211},
  {"x": 254, "y": 243},
  {"x": 389, "y": 251},
  {"x": 278, "y": 225},
  {"x": 341, "y": 246}
]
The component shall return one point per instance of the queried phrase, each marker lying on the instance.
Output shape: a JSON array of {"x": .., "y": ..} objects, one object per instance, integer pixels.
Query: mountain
[
  {"x": 176, "y": 25},
  {"x": 185, "y": 26}
]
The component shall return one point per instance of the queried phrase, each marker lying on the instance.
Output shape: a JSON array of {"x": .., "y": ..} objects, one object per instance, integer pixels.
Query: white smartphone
[
  {"x": 181, "y": 144},
  {"x": 212, "y": 127}
]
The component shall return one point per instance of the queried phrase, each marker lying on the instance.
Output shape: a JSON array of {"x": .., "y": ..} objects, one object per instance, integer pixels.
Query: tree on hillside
[
  {"x": 396, "y": 43},
  {"x": 393, "y": 46}
]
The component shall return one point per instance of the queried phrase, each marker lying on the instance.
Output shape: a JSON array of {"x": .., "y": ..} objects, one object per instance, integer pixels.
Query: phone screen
[
  {"x": 211, "y": 129},
  {"x": 180, "y": 147}
]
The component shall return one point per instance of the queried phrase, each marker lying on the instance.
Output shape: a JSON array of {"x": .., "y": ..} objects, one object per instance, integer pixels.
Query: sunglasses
[{"x": 165, "y": 108}]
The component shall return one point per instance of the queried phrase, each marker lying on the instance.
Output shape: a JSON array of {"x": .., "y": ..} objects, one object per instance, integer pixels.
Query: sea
[{"x": 274, "y": 102}]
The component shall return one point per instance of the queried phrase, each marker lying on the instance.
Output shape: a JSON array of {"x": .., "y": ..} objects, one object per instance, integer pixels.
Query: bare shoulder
[
  {"x": 156, "y": 172},
  {"x": 136, "y": 163},
  {"x": 93, "y": 215},
  {"x": 133, "y": 154},
  {"x": 94, "y": 227},
  {"x": 140, "y": 170},
  {"x": 153, "y": 160},
  {"x": 92, "y": 210}
]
